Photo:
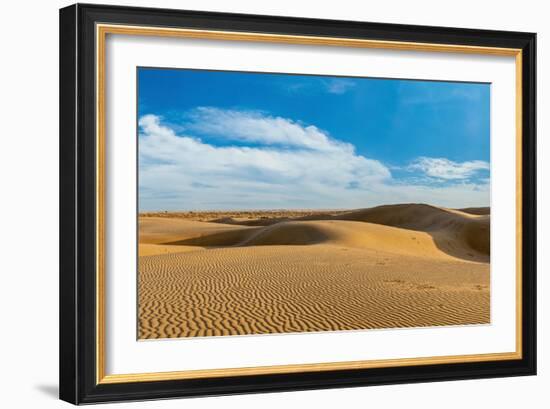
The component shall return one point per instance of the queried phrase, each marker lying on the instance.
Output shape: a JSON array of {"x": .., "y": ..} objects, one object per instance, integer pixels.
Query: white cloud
[
  {"x": 424, "y": 93},
  {"x": 339, "y": 86},
  {"x": 250, "y": 126},
  {"x": 442, "y": 168},
  {"x": 291, "y": 165},
  {"x": 265, "y": 176}
]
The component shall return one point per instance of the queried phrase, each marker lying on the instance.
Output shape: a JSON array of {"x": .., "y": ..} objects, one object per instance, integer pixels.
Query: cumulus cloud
[
  {"x": 442, "y": 168},
  {"x": 264, "y": 176},
  {"x": 251, "y": 126},
  {"x": 285, "y": 164}
]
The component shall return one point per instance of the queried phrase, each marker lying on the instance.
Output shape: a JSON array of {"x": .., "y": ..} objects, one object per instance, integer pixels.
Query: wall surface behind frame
[{"x": 29, "y": 202}]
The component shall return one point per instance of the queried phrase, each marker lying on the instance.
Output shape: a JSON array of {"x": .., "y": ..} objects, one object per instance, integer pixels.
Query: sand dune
[
  {"x": 477, "y": 210},
  {"x": 457, "y": 233},
  {"x": 452, "y": 232},
  {"x": 334, "y": 232},
  {"x": 355, "y": 235},
  {"x": 156, "y": 230},
  {"x": 146, "y": 249},
  {"x": 389, "y": 266},
  {"x": 164, "y": 235}
]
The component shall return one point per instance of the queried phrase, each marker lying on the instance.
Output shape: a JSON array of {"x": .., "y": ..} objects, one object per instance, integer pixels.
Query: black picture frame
[{"x": 78, "y": 363}]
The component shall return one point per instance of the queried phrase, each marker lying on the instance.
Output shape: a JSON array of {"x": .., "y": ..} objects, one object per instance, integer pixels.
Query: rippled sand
[{"x": 386, "y": 267}]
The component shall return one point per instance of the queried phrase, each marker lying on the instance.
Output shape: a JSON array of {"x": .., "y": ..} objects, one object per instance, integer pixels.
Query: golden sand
[{"x": 270, "y": 272}]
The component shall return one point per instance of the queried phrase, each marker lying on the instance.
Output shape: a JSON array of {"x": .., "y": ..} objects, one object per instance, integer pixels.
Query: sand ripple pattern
[{"x": 298, "y": 288}]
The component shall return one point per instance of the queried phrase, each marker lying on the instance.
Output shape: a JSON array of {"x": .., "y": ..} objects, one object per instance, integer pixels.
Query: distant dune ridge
[
  {"x": 237, "y": 273},
  {"x": 476, "y": 210}
]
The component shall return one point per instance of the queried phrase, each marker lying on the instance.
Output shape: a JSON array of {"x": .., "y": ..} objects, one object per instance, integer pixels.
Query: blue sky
[{"x": 235, "y": 140}]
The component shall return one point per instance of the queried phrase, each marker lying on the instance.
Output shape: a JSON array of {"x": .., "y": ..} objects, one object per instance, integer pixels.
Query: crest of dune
[{"x": 414, "y": 229}]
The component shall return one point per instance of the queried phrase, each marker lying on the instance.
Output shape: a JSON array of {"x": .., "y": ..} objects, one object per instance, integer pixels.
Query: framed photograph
[{"x": 257, "y": 203}]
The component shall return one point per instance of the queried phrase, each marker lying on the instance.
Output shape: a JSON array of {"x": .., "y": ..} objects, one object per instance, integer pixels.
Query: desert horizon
[{"x": 245, "y": 272}]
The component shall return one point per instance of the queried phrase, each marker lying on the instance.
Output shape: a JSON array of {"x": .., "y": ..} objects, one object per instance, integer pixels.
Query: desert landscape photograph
[{"x": 286, "y": 203}]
